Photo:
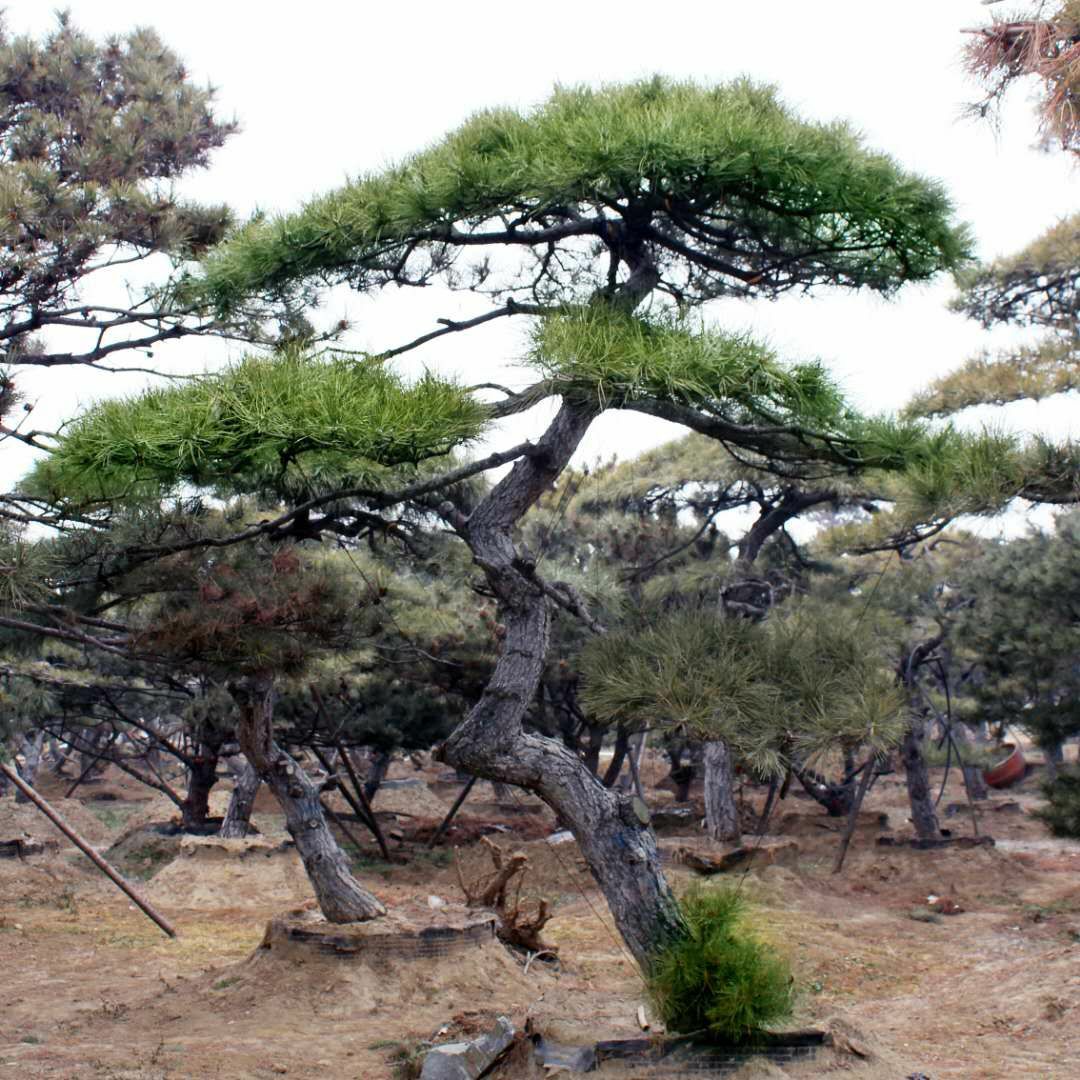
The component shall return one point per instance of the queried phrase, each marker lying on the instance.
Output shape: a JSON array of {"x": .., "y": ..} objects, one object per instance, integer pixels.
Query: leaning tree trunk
[
  {"x": 340, "y": 896},
  {"x": 31, "y": 750},
  {"x": 923, "y": 814},
  {"x": 721, "y": 813},
  {"x": 246, "y": 784},
  {"x": 611, "y": 828}
]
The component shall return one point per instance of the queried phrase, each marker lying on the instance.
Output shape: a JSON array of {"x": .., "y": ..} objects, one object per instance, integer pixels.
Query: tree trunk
[
  {"x": 202, "y": 776},
  {"x": 340, "y": 896},
  {"x": 31, "y": 750},
  {"x": 618, "y": 757},
  {"x": 1054, "y": 756},
  {"x": 721, "y": 813},
  {"x": 57, "y": 756},
  {"x": 593, "y": 747},
  {"x": 611, "y": 828},
  {"x": 974, "y": 783},
  {"x": 837, "y": 798},
  {"x": 376, "y": 773},
  {"x": 91, "y": 740},
  {"x": 246, "y": 784},
  {"x": 923, "y": 815},
  {"x": 629, "y": 781}
]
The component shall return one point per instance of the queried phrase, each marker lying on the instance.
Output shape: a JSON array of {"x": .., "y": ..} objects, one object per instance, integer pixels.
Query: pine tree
[
  {"x": 95, "y": 138},
  {"x": 1023, "y": 630},
  {"x": 1036, "y": 287},
  {"x": 605, "y": 217}
]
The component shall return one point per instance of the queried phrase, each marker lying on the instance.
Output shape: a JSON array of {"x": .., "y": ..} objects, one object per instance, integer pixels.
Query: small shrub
[
  {"x": 1062, "y": 812},
  {"x": 719, "y": 980}
]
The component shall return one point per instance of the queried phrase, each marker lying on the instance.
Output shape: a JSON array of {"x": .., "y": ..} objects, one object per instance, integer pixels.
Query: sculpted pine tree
[
  {"x": 1039, "y": 286},
  {"x": 93, "y": 138},
  {"x": 1023, "y": 633},
  {"x": 603, "y": 217}
]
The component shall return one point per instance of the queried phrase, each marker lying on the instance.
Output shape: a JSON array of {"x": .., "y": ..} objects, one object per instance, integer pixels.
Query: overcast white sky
[{"x": 324, "y": 90}]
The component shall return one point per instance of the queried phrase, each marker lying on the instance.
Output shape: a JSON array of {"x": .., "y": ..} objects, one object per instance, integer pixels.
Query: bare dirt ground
[{"x": 90, "y": 988}]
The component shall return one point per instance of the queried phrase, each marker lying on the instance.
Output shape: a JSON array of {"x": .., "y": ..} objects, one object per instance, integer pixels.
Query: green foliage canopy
[
  {"x": 254, "y": 425},
  {"x": 93, "y": 136},
  {"x": 800, "y": 682},
  {"x": 1024, "y": 630},
  {"x": 779, "y": 201}
]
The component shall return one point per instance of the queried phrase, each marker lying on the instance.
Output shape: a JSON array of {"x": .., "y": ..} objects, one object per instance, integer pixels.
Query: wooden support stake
[
  {"x": 440, "y": 831},
  {"x": 85, "y": 848},
  {"x": 90, "y": 768},
  {"x": 856, "y": 806},
  {"x": 365, "y": 803}
]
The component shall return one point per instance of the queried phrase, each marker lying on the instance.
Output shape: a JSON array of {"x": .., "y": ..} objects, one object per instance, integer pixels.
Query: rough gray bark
[
  {"x": 923, "y": 815},
  {"x": 611, "y": 828},
  {"x": 31, "y": 751},
  {"x": 340, "y": 896},
  {"x": 721, "y": 813},
  {"x": 246, "y": 783}
]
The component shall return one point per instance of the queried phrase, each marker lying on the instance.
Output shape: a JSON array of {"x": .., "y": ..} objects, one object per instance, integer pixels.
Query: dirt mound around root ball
[
  {"x": 409, "y": 798},
  {"x": 25, "y": 819},
  {"x": 210, "y": 873},
  {"x": 428, "y": 961},
  {"x": 142, "y": 850}
]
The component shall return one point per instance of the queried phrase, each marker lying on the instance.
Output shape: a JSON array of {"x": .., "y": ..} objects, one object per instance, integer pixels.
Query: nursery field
[{"x": 93, "y": 989}]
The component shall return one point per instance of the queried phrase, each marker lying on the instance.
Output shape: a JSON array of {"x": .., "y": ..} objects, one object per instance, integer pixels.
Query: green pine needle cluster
[
  {"x": 249, "y": 424},
  {"x": 735, "y": 147},
  {"x": 799, "y": 682},
  {"x": 620, "y": 357},
  {"x": 1061, "y": 815},
  {"x": 1035, "y": 372},
  {"x": 719, "y": 979}
]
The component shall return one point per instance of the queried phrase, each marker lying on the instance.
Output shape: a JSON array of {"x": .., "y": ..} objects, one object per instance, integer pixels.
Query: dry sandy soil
[{"x": 90, "y": 988}]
